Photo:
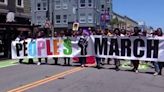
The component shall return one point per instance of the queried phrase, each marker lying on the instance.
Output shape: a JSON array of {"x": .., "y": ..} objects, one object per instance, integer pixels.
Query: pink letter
[{"x": 41, "y": 45}]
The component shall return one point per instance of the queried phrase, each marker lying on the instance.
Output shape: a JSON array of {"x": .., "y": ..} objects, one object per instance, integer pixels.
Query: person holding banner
[
  {"x": 31, "y": 36},
  {"x": 55, "y": 58},
  {"x": 98, "y": 59},
  {"x": 41, "y": 34},
  {"x": 135, "y": 62},
  {"x": 103, "y": 59},
  {"x": 109, "y": 33},
  {"x": 20, "y": 37},
  {"x": 83, "y": 43},
  {"x": 117, "y": 33},
  {"x": 68, "y": 35},
  {"x": 158, "y": 65}
]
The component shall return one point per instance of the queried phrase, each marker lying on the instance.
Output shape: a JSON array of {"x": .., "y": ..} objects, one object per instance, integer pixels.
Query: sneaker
[
  {"x": 20, "y": 62},
  {"x": 155, "y": 74},
  {"x": 38, "y": 63},
  {"x": 136, "y": 71},
  {"x": 117, "y": 69},
  {"x": 82, "y": 65},
  {"x": 159, "y": 73}
]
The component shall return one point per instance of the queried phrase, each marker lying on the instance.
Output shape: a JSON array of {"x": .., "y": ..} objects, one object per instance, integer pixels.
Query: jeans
[
  {"x": 65, "y": 61},
  {"x": 98, "y": 61},
  {"x": 135, "y": 64},
  {"x": 82, "y": 60},
  {"x": 55, "y": 60},
  {"x": 40, "y": 60},
  {"x": 117, "y": 63},
  {"x": 156, "y": 66},
  {"x": 161, "y": 65}
]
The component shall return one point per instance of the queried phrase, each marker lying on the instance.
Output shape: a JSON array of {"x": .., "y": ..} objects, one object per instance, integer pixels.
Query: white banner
[{"x": 133, "y": 48}]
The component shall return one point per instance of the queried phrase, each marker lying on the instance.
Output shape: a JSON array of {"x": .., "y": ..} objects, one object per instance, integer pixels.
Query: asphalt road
[{"x": 87, "y": 79}]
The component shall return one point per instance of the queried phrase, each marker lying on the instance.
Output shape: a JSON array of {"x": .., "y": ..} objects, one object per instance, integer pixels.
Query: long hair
[
  {"x": 159, "y": 32},
  {"x": 117, "y": 31}
]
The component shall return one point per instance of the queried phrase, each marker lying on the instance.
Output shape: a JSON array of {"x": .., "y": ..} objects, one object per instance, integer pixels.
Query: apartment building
[
  {"x": 63, "y": 13},
  {"x": 21, "y": 8},
  {"x": 124, "y": 22}
]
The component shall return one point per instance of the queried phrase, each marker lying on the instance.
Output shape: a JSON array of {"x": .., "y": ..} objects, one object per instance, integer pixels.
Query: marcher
[
  {"x": 158, "y": 65},
  {"x": 98, "y": 59},
  {"x": 55, "y": 58},
  {"x": 31, "y": 36},
  {"x": 20, "y": 37},
  {"x": 83, "y": 43},
  {"x": 67, "y": 59},
  {"x": 117, "y": 33},
  {"x": 41, "y": 34},
  {"x": 136, "y": 62}
]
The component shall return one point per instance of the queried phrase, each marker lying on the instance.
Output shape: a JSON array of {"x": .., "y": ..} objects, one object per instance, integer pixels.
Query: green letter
[{"x": 68, "y": 46}]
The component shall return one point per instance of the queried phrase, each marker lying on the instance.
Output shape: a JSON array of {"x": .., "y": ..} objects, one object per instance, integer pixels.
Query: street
[{"x": 59, "y": 78}]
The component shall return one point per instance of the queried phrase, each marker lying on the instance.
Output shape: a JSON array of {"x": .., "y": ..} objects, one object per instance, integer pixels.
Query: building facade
[
  {"x": 130, "y": 23},
  {"x": 21, "y": 8},
  {"x": 123, "y": 22},
  {"x": 63, "y": 13},
  {"x": 20, "y": 16}
]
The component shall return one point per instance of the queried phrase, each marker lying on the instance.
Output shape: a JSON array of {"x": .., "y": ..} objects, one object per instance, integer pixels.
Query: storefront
[{"x": 8, "y": 33}]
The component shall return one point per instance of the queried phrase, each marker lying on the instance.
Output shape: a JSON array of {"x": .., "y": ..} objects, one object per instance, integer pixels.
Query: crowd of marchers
[{"x": 43, "y": 33}]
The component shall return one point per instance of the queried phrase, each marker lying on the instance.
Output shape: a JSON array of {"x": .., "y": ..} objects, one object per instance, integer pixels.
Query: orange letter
[{"x": 56, "y": 41}]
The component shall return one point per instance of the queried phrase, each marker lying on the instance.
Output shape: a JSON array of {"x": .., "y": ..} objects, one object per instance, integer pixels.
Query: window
[
  {"x": 82, "y": 18},
  {"x": 64, "y": 19},
  {"x": 90, "y": 18},
  {"x": 44, "y": 6},
  {"x": 65, "y": 6},
  {"x": 108, "y": 9},
  {"x": 82, "y": 3},
  {"x": 90, "y": 3},
  {"x": 58, "y": 19},
  {"x": 38, "y": 6},
  {"x": 57, "y": 4},
  {"x": 20, "y": 3},
  {"x": 102, "y": 7},
  {"x": 3, "y": 1},
  {"x": 108, "y": 1}
]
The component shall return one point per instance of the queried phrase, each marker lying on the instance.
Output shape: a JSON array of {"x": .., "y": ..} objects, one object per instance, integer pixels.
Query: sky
[{"x": 150, "y": 11}]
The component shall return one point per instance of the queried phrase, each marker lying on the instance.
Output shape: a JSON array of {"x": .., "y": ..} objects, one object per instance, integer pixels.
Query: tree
[{"x": 114, "y": 22}]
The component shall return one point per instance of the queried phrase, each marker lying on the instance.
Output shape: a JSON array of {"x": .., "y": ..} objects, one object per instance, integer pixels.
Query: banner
[
  {"x": 52, "y": 47},
  {"x": 133, "y": 48}
]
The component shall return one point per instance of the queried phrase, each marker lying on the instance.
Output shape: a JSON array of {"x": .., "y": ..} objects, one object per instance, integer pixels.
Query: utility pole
[
  {"x": 52, "y": 14},
  {"x": 77, "y": 10},
  {"x": 48, "y": 10}
]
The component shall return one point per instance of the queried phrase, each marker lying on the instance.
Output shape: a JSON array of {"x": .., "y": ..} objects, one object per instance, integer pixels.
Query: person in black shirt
[
  {"x": 135, "y": 62},
  {"x": 83, "y": 43},
  {"x": 20, "y": 37}
]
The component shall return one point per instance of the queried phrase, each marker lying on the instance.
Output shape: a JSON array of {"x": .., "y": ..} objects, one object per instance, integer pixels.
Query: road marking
[
  {"x": 45, "y": 80},
  {"x": 4, "y": 64}
]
